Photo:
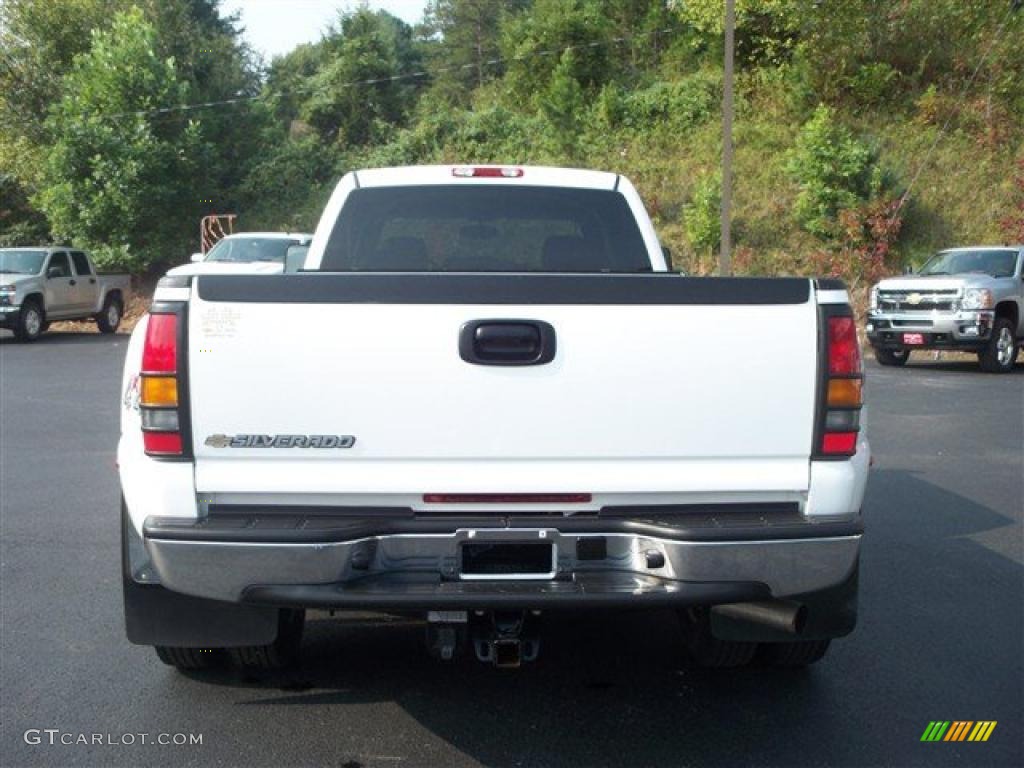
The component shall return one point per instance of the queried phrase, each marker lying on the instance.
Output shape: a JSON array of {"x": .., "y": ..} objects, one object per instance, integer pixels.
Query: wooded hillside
[{"x": 122, "y": 123}]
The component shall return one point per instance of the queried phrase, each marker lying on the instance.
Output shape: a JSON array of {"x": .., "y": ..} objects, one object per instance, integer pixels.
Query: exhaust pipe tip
[
  {"x": 782, "y": 615},
  {"x": 800, "y": 620}
]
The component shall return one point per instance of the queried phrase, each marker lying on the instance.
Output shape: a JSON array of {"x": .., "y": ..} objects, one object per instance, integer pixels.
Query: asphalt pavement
[{"x": 940, "y": 633}]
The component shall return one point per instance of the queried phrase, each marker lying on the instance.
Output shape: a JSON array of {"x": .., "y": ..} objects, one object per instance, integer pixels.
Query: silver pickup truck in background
[
  {"x": 42, "y": 285},
  {"x": 966, "y": 299}
]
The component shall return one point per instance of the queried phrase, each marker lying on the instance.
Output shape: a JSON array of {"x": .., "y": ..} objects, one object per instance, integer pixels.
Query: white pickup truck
[
  {"x": 42, "y": 285},
  {"x": 485, "y": 399}
]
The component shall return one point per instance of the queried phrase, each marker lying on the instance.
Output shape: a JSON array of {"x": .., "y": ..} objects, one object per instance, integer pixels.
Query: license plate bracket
[{"x": 507, "y": 559}]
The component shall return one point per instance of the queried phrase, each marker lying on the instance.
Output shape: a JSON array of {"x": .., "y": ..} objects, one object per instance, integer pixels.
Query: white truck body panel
[{"x": 600, "y": 418}]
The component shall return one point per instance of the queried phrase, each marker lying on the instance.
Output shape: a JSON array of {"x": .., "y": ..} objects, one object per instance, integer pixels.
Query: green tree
[
  {"x": 528, "y": 40},
  {"x": 288, "y": 79},
  {"x": 563, "y": 104},
  {"x": 767, "y": 31},
  {"x": 119, "y": 177},
  {"x": 20, "y": 223},
  {"x": 643, "y": 25},
  {"x": 353, "y": 99},
  {"x": 468, "y": 34},
  {"x": 41, "y": 39}
]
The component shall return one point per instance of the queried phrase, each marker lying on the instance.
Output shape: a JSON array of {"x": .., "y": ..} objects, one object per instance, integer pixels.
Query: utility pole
[{"x": 724, "y": 257}]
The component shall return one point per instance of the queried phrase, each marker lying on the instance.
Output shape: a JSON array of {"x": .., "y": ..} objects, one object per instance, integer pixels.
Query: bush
[
  {"x": 833, "y": 170},
  {"x": 116, "y": 258},
  {"x": 1012, "y": 226},
  {"x": 681, "y": 104},
  {"x": 703, "y": 215},
  {"x": 873, "y": 82},
  {"x": 865, "y": 253}
]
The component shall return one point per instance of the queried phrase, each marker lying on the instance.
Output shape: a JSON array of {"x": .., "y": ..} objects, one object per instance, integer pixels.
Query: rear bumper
[{"x": 412, "y": 564}]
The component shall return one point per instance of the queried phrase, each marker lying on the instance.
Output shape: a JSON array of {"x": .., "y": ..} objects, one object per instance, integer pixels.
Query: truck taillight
[
  {"x": 158, "y": 396},
  {"x": 843, "y": 350},
  {"x": 844, "y": 384}
]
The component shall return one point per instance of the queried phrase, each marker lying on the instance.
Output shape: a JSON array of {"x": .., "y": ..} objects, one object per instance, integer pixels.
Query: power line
[{"x": 399, "y": 77}]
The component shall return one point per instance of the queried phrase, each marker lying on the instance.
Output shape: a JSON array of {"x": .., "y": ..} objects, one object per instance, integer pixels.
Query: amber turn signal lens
[
  {"x": 844, "y": 392},
  {"x": 159, "y": 391}
]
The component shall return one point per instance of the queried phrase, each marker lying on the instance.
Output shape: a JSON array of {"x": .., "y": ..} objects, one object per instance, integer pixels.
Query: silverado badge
[{"x": 280, "y": 441}]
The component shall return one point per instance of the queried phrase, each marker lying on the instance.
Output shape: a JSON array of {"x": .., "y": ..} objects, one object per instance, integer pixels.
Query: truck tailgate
[{"x": 660, "y": 383}]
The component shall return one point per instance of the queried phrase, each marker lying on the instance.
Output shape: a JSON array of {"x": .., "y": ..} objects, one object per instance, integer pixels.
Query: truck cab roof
[{"x": 518, "y": 175}]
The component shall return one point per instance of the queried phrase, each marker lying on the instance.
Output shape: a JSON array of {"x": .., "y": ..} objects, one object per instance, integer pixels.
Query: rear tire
[
  {"x": 705, "y": 649},
  {"x": 1000, "y": 354},
  {"x": 110, "y": 316},
  {"x": 30, "y": 323},
  {"x": 795, "y": 654},
  {"x": 188, "y": 659},
  {"x": 281, "y": 653},
  {"x": 892, "y": 357}
]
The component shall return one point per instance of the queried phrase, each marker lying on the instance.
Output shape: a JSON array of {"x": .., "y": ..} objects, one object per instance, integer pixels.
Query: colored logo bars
[{"x": 958, "y": 730}]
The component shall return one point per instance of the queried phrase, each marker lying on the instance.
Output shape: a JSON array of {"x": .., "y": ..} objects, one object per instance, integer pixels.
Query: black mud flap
[{"x": 154, "y": 615}]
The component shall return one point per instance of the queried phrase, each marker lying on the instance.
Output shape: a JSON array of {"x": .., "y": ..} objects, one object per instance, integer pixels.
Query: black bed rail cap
[{"x": 501, "y": 288}]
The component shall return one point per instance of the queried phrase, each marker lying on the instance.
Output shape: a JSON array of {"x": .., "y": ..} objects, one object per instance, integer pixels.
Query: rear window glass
[
  {"x": 478, "y": 228},
  {"x": 250, "y": 249},
  {"x": 81, "y": 263}
]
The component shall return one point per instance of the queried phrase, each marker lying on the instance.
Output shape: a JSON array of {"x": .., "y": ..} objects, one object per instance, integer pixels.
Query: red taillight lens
[
  {"x": 160, "y": 353},
  {"x": 843, "y": 350},
  {"x": 159, "y": 402},
  {"x": 162, "y": 443},
  {"x": 839, "y": 443}
]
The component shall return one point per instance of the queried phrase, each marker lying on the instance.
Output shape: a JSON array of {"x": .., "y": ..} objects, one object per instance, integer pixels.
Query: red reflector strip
[
  {"x": 839, "y": 443},
  {"x": 160, "y": 352},
  {"x": 162, "y": 443},
  {"x": 507, "y": 498},
  {"x": 843, "y": 349}
]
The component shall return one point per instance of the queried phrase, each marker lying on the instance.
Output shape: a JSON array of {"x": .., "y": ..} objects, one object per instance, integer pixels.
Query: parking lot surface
[{"x": 940, "y": 634}]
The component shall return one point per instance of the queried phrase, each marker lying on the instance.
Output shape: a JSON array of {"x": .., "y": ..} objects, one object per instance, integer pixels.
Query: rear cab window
[
  {"x": 485, "y": 228},
  {"x": 81, "y": 263}
]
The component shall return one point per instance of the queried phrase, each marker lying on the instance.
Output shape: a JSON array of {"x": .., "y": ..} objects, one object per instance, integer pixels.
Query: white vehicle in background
[
  {"x": 39, "y": 286},
  {"x": 474, "y": 425},
  {"x": 246, "y": 252}
]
